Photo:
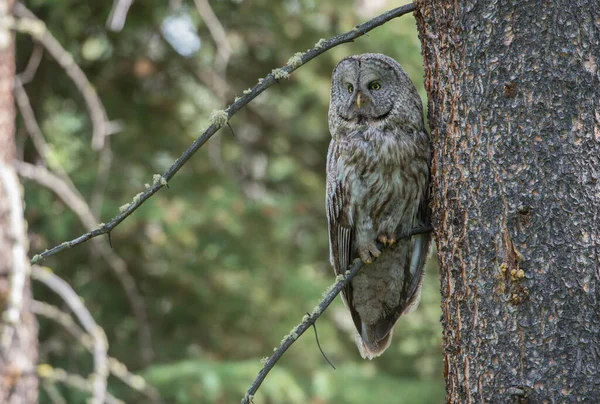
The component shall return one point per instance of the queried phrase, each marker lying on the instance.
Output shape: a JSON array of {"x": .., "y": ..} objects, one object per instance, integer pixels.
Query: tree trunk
[
  {"x": 18, "y": 328},
  {"x": 514, "y": 109}
]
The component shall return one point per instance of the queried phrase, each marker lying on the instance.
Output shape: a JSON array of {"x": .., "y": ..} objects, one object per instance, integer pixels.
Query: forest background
[{"x": 230, "y": 257}]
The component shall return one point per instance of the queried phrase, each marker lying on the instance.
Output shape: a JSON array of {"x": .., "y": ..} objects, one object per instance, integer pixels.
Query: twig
[
  {"x": 115, "y": 367},
  {"x": 51, "y": 374},
  {"x": 53, "y": 393},
  {"x": 231, "y": 129},
  {"x": 36, "y": 135},
  {"x": 319, "y": 344},
  {"x": 118, "y": 15},
  {"x": 9, "y": 186},
  {"x": 101, "y": 127},
  {"x": 64, "y": 290},
  {"x": 160, "y": 181},
  {"x": 61, "y": 188},
  {"x": 32, "y": 65},
  {"x": 102, "y": 176},
  {"x": 309, "y": 319},
  {"x": 63, "y": 318},
  {"x": 217, "y": 32},
  {"x": 78, "y": 205}
]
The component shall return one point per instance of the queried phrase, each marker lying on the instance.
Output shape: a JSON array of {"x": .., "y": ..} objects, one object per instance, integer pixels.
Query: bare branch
[
  {"x": 218, "y": 34},
  {"x": 63, "y": 318},
  {"x": 101, "y": 127},
  {"x": 68, "y": 295},
  {"x": 61, "y": 188},
  {"x": 102, "y": 176},
  {"x": 66, "y": 190},
  {"x": 35, "y": 133},
  {"x": 309, "y": 319},
  {"x": 50, "y": 374},
  {"x": 116, "y": 368},
  {"x": 118, "y": 15},
  {"x": 70, "y": 195},
  {"x": 9, "y": 185},
  {"x": 78, "y": 205},
  {"x": 295, "y": 62},
  {"x": 53, "y": 393},
  {"x": 32, "y": 65}
]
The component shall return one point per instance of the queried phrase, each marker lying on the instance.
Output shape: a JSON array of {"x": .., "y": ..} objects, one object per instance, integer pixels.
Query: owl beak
[{"x": 358, "y": 100}]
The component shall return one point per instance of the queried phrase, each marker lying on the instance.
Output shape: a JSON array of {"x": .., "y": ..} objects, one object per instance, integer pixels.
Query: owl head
[{"x": 372, "y": 89}]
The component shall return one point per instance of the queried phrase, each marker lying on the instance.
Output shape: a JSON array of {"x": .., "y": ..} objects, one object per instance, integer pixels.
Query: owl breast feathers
[{"x": 377, "y": 186}]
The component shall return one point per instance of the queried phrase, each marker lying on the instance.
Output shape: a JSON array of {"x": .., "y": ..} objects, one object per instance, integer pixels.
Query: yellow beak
[{"x": 358, "y": 101}]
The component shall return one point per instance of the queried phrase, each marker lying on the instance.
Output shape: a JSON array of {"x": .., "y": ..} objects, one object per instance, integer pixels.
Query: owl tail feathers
[{"x": 370, "y": 342}]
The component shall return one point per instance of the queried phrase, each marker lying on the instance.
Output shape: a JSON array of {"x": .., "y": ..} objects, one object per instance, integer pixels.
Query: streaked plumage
[{"x": 377, "y": 185}]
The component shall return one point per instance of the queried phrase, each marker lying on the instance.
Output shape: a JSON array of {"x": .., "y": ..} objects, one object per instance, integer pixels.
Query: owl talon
[
  {"x": 365, "y": 256},
  {"x": 387, "y": 240},
  {"x": 368, "y": 252}
]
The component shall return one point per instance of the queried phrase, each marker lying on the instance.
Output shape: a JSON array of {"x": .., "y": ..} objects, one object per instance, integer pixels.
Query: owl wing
[
  {"x": 339, "y": 219},
  {"x": 421, "y": 247},
  {"x": 338, "y": 214},
  {"x": 420, "y": 251}
]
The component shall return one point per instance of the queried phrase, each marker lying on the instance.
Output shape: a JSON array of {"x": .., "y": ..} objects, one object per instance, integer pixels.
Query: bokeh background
[{"x": 232, "y": 255}]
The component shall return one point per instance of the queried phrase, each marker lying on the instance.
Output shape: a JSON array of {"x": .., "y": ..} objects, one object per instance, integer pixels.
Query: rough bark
[
  {"x": 514, "y": 109},
  {"x": 18, "y": 342}
]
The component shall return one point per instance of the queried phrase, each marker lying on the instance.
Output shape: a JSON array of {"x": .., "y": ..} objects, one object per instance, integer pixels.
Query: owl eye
[
  {"x": 350, "y": 88},
  {"x": 375, "y": 86}
]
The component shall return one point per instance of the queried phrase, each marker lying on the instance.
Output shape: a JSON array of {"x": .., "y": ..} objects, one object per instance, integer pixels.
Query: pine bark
[
  {"x": 18, "y": 341},
  {"x": 514, "y": 111}
]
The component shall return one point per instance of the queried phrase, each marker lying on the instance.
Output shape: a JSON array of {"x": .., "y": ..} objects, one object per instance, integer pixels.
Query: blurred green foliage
[{"x": 232, "y": 255}]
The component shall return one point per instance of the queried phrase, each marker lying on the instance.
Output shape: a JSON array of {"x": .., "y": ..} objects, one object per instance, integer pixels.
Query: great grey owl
[{"x": 377, "y": 185}]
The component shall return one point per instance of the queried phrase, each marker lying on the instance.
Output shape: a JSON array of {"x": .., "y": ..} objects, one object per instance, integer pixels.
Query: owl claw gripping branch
[
  {"x": 377, "y": 185},
  {"x": 387, "y": 239},
  {"x": 367, "y": 251}
]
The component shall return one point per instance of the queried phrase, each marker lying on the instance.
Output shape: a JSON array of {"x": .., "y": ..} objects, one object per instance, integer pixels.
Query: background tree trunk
[
  {"x": 18, "y": 341},
  {"x": 514, "y": 108}
]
